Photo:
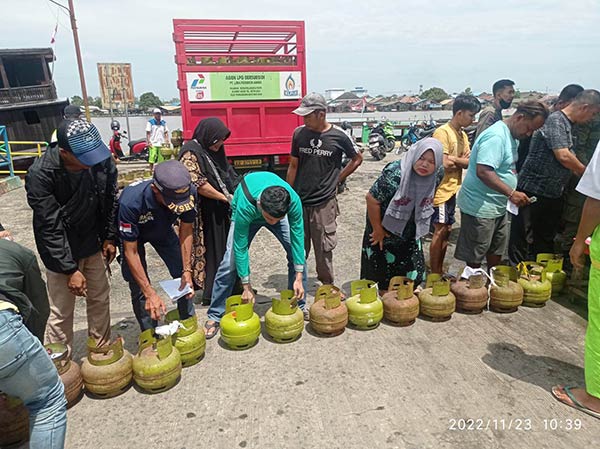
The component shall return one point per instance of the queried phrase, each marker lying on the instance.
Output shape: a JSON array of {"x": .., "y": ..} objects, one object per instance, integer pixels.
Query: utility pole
[
  {"x": 124, "y": 95},
  {"x": 71, "y": 11}
]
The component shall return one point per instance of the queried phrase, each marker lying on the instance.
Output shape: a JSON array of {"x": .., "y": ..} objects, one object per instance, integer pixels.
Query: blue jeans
[
  {"x": 227, "y": 273},
  {"x": 27, "y": 372},
  {"x": 170, "y": 252}
]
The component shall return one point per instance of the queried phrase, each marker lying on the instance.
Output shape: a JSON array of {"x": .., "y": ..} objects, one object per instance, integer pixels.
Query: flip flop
[
  {"x": 574, "y": 402},
  {"x": 209, "y": 329}
]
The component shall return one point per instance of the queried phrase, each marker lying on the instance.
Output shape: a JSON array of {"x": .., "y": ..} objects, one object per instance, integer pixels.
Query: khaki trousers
[
  {"x": 62, "y": 303},
  {"x": 320, "y": 228}
]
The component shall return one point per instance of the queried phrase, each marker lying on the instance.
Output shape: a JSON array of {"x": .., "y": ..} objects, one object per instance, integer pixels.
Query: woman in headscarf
[
  {"x": 399, "y": 209},
  {"x": 204, "y": 157}
]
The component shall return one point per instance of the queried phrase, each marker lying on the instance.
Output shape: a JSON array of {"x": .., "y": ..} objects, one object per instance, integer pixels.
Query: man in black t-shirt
[{"x": 315, "y": 171}]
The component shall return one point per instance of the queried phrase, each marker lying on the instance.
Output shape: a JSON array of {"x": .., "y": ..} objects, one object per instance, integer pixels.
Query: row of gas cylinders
[
  {"x": 109, "y": 370},
  {"x": 532, "y": 285}
]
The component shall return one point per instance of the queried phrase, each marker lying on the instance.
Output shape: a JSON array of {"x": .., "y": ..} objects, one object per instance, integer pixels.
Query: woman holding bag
[{"x": 204, "y": 157}]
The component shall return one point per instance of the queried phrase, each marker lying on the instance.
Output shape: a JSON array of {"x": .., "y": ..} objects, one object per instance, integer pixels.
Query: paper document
[
  {"x": 171, "y": 288},
  {"x": 512, "y": 208}
]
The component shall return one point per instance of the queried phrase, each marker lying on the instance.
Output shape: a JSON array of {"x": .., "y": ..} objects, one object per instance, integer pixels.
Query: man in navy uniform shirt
[{"x": 147, "y": 212}]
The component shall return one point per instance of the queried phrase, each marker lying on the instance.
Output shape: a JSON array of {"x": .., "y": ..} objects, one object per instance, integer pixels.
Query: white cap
[{"x": 157, "y": 111}]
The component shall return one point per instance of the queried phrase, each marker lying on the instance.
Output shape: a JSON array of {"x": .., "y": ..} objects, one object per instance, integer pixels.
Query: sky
[{"x": 386, "y": 46}]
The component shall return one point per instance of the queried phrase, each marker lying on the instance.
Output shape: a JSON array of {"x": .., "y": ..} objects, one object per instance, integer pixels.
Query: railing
[
  {"x": 12, "y": 153},
  {"x": 5, "y": 156},
  {"x": 26, "y": 94}
]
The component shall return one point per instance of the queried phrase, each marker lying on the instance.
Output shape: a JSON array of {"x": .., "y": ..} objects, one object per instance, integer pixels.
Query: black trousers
[{"x": 532, "y": 231}]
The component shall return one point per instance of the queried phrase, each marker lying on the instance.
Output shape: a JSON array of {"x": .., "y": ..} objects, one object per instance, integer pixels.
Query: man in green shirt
[{"x": 261, "y": 199}]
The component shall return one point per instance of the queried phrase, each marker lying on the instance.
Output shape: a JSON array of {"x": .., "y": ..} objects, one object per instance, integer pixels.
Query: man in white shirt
[{"x": 157, "y": 134}]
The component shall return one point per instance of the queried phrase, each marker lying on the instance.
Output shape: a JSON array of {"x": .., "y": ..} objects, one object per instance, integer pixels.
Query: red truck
[{"x": 249, "y": 73}]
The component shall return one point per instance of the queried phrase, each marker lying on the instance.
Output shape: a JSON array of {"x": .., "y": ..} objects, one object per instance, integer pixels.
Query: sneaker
[{"x": 306, "y": 315}]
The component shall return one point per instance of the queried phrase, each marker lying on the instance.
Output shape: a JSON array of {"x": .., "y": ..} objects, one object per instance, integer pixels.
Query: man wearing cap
[
  {"x": 147, "y": 212},
  {"x": 315, "y": 172},
  {"x": 262, "y": 199},
  {"x": 72, "y": 190},
  {"x": 157, "y": 134}
]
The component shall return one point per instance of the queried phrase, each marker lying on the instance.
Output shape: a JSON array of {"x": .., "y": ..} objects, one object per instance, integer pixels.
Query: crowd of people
[{"x": 201, "y": 217}]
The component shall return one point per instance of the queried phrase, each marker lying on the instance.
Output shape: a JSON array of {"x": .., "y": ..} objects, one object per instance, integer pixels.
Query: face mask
[{"x": 505, "y": 104}]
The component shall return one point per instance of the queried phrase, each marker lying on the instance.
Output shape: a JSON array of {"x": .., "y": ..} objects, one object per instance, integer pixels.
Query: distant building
[
  {"x": 332, "y": 94},
  {"x": 346, "y": 102},
  {"x": 447, "y": 104},
  {"x": 360, "y": 91},
  {"x": 29, "y": 106}
]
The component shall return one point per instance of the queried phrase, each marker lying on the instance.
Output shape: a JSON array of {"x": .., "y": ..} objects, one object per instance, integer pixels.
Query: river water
[{"x": 138, "y": 124}]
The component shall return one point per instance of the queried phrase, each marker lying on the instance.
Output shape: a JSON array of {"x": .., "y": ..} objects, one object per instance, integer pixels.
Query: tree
[
  {"x": 95, "y": 101},
  {"x": 468, "y": 91},
  {"x": 517, "y": 93},
  {"x": 435, "y": 94},
  {"x": 148, "y": 100},
  {"x": 76, "y": 100}
]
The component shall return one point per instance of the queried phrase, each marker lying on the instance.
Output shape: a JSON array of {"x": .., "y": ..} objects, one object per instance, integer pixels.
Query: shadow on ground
[
  {"x": 279, "y": 282},
  {"x": 543, "y": 371},
  {"x": 573, "y": 303}
]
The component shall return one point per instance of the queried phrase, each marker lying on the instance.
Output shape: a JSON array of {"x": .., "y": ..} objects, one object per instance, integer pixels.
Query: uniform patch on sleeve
[{"x": 125, "y": 228}]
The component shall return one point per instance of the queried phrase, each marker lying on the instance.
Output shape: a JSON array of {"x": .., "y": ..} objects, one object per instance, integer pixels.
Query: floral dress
[
  {"x": 401, "y": 255},
  {"x": 198, "y": 249}
]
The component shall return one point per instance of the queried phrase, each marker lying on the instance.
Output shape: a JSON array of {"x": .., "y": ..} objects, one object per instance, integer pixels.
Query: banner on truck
[{"x": 243, "y": 86}]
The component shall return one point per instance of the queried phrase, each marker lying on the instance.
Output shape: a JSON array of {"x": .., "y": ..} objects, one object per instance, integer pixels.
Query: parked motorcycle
[
  {"x": 381, "y": 139},
  {"x": 416, "y": 133},
  {"x": 138, "y": 149},
  {"x": 377, "y": 146}
]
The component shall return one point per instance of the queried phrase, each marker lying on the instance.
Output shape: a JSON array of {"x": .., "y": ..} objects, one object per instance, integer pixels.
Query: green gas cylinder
[
  {"x": 284, "y": 321},
  {"x": 365, "y": 309},
  {"x": 436, "y": 301},
  {"x": 553, "y": 263},
  {"x": 157, "y": 365},
  {"x": 537, "y": 290},
  {"x": 240, "y": 327},
  {"x": 506, "y": 294},
  {"x": 188, "y": 340},
  {"x": 107, "y": 370}
]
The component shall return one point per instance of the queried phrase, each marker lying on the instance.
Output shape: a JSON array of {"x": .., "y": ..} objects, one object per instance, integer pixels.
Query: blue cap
[
  {"x": 174, "y": 182},
  {"x": 83, "y": 140}
]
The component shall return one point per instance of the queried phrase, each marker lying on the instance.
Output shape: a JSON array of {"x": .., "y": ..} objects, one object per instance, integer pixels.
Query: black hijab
[{"x": 207, "y": 133}]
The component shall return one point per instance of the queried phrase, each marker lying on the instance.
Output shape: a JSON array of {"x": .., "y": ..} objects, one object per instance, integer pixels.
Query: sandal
[
  {"x": 574, "y": 402},
  {"x": 210, "y": 330}
]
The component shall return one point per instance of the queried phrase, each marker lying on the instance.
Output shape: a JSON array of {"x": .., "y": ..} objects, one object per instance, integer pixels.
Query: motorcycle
[
  {"x": 138, "y": 149},
  {"x": 381, "y": 140},
  {"x": 342, "y": 185},
  {"x": 416, "y": 133}
]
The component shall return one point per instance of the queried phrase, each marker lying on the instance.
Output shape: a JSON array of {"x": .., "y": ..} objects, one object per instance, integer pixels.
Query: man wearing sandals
[
  {"x": 587, "y": 399},
  {"x": 147, "y": 212},
  {"x": 262, "y": 199}
]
